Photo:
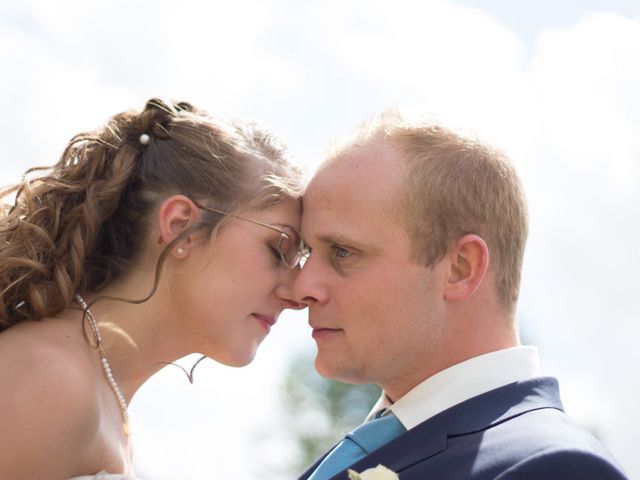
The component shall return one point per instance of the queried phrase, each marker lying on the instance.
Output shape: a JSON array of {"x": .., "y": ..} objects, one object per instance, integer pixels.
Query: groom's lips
[{"x": 320, "y": 333}]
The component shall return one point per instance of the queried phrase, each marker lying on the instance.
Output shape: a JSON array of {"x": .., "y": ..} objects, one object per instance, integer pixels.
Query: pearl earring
[{"x": 180, "y": 251}]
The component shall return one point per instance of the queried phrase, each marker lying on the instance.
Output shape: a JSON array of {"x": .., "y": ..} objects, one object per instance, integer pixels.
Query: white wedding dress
[{"x": 105, "y": 476}]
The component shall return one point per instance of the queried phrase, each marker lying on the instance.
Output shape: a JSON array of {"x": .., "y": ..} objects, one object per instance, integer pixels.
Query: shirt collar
[{"x": 461, "y": 382}]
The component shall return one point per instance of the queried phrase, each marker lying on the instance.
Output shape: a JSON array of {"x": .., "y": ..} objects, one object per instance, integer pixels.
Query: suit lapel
[
  {"x": 474, "y": 415},
  {"x": 424, "y": 441},
  {"x": 501, "y": 404}
]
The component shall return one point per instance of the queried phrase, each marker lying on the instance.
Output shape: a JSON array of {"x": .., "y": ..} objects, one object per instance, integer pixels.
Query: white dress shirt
[{"x": 461, "y": 382}]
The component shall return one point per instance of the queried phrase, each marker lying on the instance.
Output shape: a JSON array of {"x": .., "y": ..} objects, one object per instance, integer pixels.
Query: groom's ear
[
  {"x": 176, "y": 214},
  {"x": 468, "y": 263}
]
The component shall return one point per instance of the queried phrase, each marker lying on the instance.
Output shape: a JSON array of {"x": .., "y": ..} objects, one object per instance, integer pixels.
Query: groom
[{"x": 417, "y": 236}]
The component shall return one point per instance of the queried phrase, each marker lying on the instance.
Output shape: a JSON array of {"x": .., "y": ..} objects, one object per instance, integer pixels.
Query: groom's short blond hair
[{"x": 453, "y": 185}]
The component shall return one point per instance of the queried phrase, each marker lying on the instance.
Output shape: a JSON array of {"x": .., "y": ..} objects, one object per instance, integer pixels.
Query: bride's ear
[{"x": 176, "y": 214}]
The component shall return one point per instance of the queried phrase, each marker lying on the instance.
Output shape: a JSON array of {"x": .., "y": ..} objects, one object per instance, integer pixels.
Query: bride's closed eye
[{"x": 274, "y": 251}]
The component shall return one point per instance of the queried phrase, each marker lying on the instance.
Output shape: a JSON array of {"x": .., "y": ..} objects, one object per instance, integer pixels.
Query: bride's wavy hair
[{"x": 79, "y": 225}]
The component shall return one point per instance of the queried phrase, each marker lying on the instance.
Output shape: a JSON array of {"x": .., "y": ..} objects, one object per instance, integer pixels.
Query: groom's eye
[{"x": 340, "y": 252}]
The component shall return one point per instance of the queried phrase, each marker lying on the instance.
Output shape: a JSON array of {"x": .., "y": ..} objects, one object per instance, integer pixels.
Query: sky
[{"x": 555, "y": 84}]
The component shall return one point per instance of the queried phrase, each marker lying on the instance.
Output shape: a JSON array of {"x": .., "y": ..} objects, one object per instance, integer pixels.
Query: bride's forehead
[{"x": 286, "y": 212}]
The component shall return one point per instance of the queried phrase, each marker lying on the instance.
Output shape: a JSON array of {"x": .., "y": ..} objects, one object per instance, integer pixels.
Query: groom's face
[{"x": 373, "y": 310}]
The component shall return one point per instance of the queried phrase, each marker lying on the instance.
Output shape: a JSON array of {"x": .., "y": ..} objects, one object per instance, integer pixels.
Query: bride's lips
[{"x": 266, "y": 321}]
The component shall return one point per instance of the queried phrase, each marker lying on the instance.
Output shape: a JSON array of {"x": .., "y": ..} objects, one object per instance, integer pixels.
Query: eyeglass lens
[
  {"x": 290, "y": 247},
  {"x": 287, "y": 249}
]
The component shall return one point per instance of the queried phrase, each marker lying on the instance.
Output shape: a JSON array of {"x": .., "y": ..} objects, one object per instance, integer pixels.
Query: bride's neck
[{"x": 138, "y": 339}]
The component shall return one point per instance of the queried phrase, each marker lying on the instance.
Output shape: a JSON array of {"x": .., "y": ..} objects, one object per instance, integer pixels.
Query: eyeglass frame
[{"x": 302, "y": 252}]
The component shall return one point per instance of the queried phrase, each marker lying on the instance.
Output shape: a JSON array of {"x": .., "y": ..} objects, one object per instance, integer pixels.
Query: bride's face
[{"x": 233, "y": 287}]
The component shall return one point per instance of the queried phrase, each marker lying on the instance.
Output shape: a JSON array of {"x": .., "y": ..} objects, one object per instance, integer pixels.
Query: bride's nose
[{"x": 284, "y": 292}]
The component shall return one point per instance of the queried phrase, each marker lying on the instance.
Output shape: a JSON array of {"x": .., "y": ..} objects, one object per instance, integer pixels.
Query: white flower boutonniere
[{"x": 378, "y": 473}]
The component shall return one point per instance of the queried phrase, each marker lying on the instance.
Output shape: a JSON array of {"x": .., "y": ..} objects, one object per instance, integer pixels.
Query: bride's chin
[
  {"x": 236, "y": 359},
  {"x": 239, "y": 363}
]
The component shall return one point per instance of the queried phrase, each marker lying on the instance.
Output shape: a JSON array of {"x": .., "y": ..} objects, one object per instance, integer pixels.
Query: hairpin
[{"x": 145, "y": 139}]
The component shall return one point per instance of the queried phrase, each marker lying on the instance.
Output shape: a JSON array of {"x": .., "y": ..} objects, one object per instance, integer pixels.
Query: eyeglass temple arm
[{"x": 222, "y": 212}]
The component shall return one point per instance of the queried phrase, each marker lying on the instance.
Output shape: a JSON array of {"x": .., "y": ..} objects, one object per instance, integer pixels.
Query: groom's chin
[{"x": 333, "y": 370}]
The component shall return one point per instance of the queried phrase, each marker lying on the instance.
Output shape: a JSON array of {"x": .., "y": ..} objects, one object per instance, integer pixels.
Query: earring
[{"x": 180, "y": 251}]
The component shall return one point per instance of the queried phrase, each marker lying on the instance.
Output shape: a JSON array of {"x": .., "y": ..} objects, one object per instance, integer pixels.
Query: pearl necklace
[{"x": 108, "y": 373}]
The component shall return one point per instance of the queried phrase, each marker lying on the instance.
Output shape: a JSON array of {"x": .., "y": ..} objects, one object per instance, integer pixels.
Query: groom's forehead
[{"x": 345, "y": 188}]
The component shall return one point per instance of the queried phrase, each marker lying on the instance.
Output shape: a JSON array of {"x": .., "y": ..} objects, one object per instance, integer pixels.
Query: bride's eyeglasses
[{"x": 293, "y": 252}]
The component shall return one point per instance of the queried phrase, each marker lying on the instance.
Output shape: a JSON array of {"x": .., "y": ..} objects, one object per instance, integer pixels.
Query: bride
[{"x": 163, "y": 233}]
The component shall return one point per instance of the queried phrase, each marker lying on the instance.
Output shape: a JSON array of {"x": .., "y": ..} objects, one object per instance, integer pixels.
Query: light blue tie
[{"x": 360, "y": 442}]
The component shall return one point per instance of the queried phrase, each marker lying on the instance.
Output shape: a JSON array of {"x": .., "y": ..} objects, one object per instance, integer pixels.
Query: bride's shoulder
[
  {"x": 52, "y": 347},
  {"x": 48, "y": 392},
  {"x": 48, "y": 359}
]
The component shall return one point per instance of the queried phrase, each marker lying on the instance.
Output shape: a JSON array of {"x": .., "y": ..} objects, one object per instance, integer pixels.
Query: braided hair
[{"x": 81, "y": 224}]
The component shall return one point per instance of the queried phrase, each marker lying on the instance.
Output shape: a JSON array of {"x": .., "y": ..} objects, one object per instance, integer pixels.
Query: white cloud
[
  {"x": 73, "y": 64},
  {"x": 436, "y": 57},
  {"x": 587, "y": 80},
  {"x": 46, "y": 100}
]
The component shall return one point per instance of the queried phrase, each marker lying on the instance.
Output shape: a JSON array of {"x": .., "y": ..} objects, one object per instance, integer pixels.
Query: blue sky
[{"x": 556, "y": 84}]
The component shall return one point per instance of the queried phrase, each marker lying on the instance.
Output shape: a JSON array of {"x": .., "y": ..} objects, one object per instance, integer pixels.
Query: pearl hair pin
[
  {"x": 106, "y": 367},
  {"x": 145, "y": 139}
]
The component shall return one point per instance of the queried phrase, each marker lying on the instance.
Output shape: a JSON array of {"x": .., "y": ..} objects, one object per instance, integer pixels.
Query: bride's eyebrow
[{"x": 277, "y": 224}]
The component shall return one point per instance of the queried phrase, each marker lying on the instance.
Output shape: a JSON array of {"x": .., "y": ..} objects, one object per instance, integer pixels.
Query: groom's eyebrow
[{"x": 339, "y": 239}]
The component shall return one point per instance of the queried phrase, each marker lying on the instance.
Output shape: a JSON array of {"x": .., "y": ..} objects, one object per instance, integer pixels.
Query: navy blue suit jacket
[{"x": 518, "y": 431}]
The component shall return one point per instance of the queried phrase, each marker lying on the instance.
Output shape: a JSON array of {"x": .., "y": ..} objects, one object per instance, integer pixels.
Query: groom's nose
[{"x": 310, "y": 287}]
